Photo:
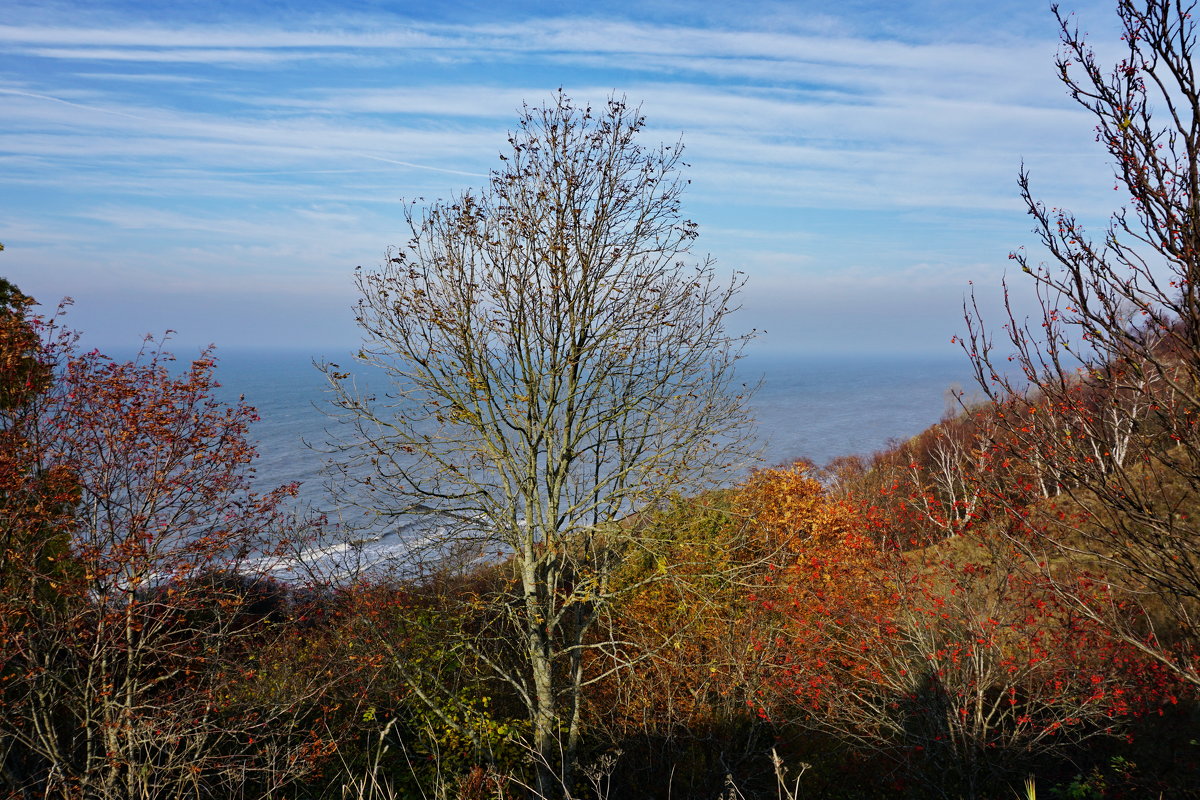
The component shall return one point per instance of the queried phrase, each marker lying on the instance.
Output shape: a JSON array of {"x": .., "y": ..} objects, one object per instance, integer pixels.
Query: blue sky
[{"x": 220, "y": 168}]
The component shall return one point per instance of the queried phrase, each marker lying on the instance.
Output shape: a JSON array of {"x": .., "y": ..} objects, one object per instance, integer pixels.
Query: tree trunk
[{"x": 545, "y": 716}]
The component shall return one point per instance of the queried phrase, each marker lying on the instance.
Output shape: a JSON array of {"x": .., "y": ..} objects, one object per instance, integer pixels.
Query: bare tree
[
  {"x": 1108, "y": 396},
  {"x": 556, "y": 362}
]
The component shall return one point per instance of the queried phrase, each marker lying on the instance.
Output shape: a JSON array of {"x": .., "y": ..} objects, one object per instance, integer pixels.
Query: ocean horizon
[{"x": 812, "y": 406}]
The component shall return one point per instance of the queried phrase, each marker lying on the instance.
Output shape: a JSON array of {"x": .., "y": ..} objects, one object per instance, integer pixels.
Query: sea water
[{"x": 812, "y": 406}]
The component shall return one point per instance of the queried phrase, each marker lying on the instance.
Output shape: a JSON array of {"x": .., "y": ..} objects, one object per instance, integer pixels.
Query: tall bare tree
[
  {"x": 556, "y": 361},
  {"x": 1107, "y": 400}
]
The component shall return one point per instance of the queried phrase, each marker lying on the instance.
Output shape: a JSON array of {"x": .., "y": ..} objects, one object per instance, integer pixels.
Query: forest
[{"x": 1006, "y": 604}]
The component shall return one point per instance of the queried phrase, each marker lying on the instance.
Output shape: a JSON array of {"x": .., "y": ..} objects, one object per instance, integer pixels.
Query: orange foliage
[
  {"x": 704, "y": 636},
  {"x": 949, "y": 656},
  {"x": 830, "y": 566},
  {"x": 790, "y": 508},
  {"x": 36, "y": 494}
]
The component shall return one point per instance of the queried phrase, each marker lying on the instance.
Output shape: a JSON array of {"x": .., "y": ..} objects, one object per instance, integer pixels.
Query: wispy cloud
[
  {"x": 160, "y": 55},
  {"x": 820, "y": 147}
]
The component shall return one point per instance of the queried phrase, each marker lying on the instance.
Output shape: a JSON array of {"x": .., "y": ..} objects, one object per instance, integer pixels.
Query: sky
[{"x": 220, "y": 168}]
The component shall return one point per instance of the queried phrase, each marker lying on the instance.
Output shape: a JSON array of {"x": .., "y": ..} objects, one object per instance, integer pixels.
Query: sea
[{"x": 813, "y": 406}]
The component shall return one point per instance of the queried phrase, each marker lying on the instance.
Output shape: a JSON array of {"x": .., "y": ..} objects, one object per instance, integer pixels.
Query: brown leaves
[{"x": 129, "y": 590}]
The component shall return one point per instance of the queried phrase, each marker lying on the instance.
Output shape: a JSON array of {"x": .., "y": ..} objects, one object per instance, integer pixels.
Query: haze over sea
[{"x": 814, "y": 406}]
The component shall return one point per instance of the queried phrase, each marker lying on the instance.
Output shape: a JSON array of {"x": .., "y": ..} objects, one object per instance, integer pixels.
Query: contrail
[
  {"x": 69, "y": 103},
  {"x": 423, "y": 166}
]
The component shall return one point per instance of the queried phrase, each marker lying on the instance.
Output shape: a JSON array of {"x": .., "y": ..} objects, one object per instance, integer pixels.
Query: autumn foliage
[
  {"x": 884, "y": 618},
  {"x": 893, "y": 623},
  {"x": 135, "y": 579}
]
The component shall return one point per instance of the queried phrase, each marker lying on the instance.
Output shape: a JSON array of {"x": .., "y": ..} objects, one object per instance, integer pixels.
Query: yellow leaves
[{"x": 790, "y": 508}]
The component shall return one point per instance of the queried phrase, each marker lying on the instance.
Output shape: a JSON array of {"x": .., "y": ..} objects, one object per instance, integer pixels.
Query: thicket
[{"x": 870, "y": 629}]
